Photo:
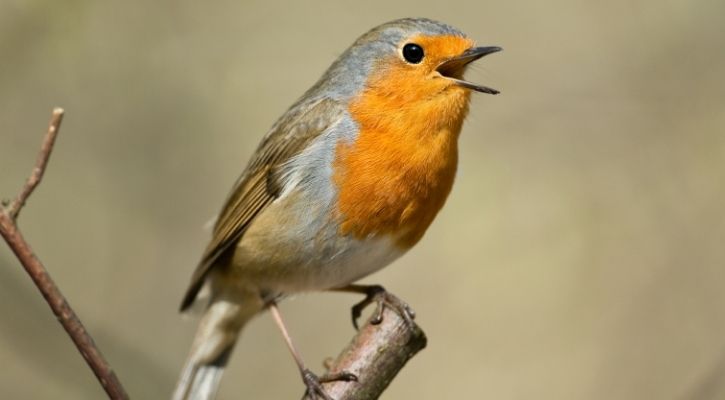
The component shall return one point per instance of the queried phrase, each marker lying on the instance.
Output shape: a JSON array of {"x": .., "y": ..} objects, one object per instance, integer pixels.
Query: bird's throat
[{"x": 396, "y": 175}]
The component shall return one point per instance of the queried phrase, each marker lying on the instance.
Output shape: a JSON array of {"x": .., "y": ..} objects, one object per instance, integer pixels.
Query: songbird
[{"x": 347, "y": 180}]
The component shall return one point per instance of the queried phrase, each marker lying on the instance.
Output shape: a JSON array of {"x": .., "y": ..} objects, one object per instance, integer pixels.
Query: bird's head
[{"x": 410, "y": 59}]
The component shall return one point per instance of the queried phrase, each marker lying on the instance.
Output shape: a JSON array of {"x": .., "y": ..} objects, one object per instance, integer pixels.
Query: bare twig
[
  {"x": 57, "y": 302},
  {"x": 34, "y": 179},
  {"x": 375, "y": 355}
]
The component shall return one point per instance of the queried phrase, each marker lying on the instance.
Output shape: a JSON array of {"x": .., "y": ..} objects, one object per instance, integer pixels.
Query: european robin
[{"x": 346, "y": 181}]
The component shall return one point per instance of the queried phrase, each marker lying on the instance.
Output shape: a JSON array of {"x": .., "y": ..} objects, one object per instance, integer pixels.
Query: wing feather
[{"x": 259, "y": 186}]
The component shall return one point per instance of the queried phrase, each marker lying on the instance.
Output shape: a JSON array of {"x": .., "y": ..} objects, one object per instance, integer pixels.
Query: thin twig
[
  {"x": 375, "y": 355},
  {"x": 57, "y": 302},
  {"x": 34, "y": 179}
]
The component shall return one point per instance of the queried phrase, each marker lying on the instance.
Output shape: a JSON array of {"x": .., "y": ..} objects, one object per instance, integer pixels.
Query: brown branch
[
  {"x": 34, "y": 179},
  {"x": 57, "y": 302},
  {"x": 375, "y": 355}
]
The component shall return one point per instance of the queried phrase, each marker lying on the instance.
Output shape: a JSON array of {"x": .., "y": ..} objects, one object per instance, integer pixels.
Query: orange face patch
[
  {"x": 395, "y": 177},
  {"x": 440, "y": 48}
]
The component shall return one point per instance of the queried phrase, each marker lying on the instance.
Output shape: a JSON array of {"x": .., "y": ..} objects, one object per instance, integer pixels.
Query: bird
[{"x": 347, "y": 180}]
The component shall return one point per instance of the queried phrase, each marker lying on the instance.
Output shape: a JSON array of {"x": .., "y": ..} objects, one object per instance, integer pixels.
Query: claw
[
  {"x": 314, "y": 387},
  {"x": 314, "y": 383},
  {"x": 383, "y": 298},
  {"x": 339, "y": 376}
]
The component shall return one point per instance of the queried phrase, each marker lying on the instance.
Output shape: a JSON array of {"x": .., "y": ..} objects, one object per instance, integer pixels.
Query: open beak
[{"x": 452, "y": 69}]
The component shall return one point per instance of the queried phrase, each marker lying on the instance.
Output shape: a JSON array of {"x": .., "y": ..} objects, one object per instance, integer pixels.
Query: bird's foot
[
  {"x": 314, "y": 383},
  {"x": 383, "y": 298}
]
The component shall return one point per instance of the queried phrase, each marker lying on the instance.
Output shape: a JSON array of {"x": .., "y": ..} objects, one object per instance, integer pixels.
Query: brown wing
[{"x": 259, "y": 185}]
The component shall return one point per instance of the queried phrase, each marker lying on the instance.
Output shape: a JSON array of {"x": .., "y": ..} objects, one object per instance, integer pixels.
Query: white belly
[{"x": 294, "y": 246}]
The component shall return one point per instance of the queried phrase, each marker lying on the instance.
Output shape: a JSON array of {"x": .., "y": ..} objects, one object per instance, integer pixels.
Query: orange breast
[{"x": 396, "y": 176}]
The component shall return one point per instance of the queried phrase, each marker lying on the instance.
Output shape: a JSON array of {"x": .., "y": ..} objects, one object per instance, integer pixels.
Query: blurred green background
[{"x": 580, "y": 256}]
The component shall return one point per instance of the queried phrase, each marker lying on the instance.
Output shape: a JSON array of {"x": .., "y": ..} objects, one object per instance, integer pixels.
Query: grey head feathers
[{"x": 347, "y": 75}]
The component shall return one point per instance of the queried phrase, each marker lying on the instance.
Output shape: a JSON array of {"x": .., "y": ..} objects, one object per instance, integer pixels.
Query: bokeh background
[{"x": 581, "y": 254}]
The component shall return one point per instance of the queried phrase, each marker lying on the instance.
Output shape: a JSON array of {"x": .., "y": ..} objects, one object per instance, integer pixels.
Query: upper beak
[{"x": 453, "y": 67}]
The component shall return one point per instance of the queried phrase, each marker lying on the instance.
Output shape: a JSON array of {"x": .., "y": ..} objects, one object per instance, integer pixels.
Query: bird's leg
[
  {"x": 312, "y": 382},
  {"x": 383, "y": 298}
]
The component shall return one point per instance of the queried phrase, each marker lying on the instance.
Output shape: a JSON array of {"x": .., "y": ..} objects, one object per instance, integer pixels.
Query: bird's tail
[{"x": 216, "y": 336}]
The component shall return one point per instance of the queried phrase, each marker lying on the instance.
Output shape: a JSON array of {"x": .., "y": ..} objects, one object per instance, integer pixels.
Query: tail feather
[
  {"x": 199, "y": 382},
  {"x": 215, "y": 338}
]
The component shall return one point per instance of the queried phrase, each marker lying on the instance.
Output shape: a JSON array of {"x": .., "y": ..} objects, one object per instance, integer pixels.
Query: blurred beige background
[{"x": 580, "y": 256}]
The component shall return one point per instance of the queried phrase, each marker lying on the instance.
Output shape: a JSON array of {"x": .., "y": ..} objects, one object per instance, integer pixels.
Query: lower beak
[{"x": 453, "y": 67}]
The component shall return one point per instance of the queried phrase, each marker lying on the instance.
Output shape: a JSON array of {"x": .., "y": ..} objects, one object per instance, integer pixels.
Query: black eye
[{"x": 413, "y": 53}]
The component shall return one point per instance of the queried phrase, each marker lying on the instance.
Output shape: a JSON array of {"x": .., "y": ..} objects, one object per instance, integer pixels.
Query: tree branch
[
  {"x": 375, "y": 355},
  {"x": 57, "y": 302},
  {"x": 34, "y": 179}
]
